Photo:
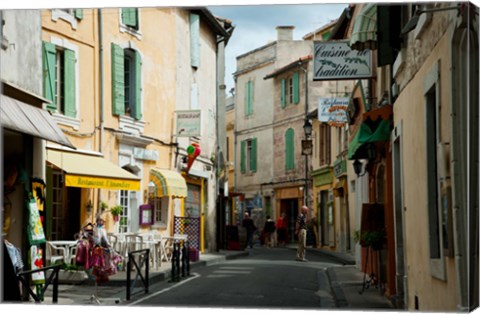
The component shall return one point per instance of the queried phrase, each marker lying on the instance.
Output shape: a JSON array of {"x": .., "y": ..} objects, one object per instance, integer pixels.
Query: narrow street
[{"x": 267, "y": 278}]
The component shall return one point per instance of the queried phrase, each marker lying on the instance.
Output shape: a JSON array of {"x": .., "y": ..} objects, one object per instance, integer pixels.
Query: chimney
[{"x": 285, "y": 32}]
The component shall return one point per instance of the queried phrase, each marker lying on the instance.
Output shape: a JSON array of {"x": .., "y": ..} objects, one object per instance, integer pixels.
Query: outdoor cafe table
[{"x": 66, "y": 246}]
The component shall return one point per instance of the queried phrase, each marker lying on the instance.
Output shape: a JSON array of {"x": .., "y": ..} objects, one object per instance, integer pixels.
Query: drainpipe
[{"x": 100, "y": 59}]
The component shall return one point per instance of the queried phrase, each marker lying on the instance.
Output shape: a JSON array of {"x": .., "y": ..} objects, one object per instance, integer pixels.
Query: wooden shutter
[
  {"x": 49, "y": 75},
  {"x": 242, "y": 156},
  {"x": 78, "y": 13},
  {"x": 129, "y": 17},
  {"x": 195, "y": 40},
  {"x": 253, "y": 161},
  {"x": 296, "y": 88},
  {"x": 70, "y": 90},
  {"x": 289, "y": 150},
  {"x": 118, "y": 81},
  {"x": 388, "y": 33},
  {"x": 283, "y": 95},
  {"x": 137, "y": 111}
]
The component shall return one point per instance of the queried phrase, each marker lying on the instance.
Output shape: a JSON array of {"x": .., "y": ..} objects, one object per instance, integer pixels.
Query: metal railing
[
  {"x": 143, "y": 257},
  {"x": 53, "y": 278}
]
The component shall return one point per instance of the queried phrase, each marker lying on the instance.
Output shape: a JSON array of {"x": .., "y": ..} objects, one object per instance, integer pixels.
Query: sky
[{"x": 255, "y": 25}]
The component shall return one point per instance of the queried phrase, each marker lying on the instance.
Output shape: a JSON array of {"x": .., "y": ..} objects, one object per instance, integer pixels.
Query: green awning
[
  {"x": 364, "y": 33},
  {"x": 365, "y": 135}
]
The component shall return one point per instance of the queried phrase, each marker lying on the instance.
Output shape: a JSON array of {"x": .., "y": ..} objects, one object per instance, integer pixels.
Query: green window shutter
[
  {"x": 129, "y": 17},
  {"x": 242, "y": 156},
  {"x": 137, "y": 114},
  {"x": 118, "y": 81},
  {"x": 289, "y": 150},
  {"x": 195, "y": 40},
  {"x": 253, "y": 162},
  {"x": 283, "y": 96},
  {"x": 69, "y": 73},
  {"x": 296, "y": 88},
  {"x": 78, "y": 13},
  {"x": 49, "y": 75}
]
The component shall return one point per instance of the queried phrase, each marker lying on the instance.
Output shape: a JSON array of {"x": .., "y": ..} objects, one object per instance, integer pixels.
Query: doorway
[{"x": 290, "y": 208}]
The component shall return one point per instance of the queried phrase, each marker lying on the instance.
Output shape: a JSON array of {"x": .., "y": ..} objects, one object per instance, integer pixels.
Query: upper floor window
[
  {"x": 249, "y": 98},
  {"x": 289, "y": 149},
  {"x": 248, "y": 158},
  {"x": 59, "y": 68},
  {"x": 195, "y": 40},
  {"x": 324, "y": 141},
  {"x": 126, "y": 82},
  {"x": 130, "y": 18},
  {"x": 290, "y": 90}
]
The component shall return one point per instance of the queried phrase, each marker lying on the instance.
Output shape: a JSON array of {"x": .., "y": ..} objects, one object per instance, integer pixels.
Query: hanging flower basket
[
  {"x": 116, "y": 218},
  {"x": 116, "y": 211}
]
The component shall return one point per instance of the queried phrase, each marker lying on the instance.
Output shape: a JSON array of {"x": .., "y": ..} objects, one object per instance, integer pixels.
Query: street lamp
[{"x": 357, "y": 167}]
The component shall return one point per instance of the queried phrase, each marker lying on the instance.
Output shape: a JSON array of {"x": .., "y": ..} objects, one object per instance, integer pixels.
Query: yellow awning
[
  {"x": 168, "y": 183},
  {"x": 92, "y": 171}
]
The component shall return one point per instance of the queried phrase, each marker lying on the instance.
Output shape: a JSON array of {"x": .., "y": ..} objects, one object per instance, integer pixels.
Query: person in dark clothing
[
  {"x": 250, "y": 228},
  {"x": 269, "y": 232}
]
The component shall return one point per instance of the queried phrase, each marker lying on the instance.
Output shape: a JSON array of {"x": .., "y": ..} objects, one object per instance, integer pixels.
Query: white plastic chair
[{"x": 55, "y": 254}]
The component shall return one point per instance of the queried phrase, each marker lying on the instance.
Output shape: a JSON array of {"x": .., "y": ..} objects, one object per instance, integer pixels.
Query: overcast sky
[{"x": 255, "y": 25}]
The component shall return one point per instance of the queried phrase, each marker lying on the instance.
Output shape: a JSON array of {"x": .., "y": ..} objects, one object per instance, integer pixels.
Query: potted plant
[
  {"x": 103, "y": 206},
  {"x": 116, "y": 211},
  {"x": 373, "y": 238}
]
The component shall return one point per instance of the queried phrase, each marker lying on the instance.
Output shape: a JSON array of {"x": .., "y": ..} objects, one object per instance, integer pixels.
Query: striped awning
[
  {"x": 364, "y": 33},
  {"x": 168, "y": 183}
]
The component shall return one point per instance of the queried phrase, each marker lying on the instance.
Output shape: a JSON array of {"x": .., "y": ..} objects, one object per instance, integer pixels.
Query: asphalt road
[{"x": 267, "y": 278}]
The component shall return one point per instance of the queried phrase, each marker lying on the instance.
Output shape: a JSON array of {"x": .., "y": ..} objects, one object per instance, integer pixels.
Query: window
[
  {"x": 77, "y": 13},
  {"x": 290, "y": 90},
  {"x": 195, "y": 40},
  {"x": 126, "y": 82},
  {"x": 249, "y": 98},
  {"x": 324, "y": 144},
  {"x": 248, "y": 151},
  {"x": 124, "y": 216},
  {"x": 160, "y": 205},
  {"x": 290, "y": 149},
  {"x": 130, "y": 18},
  {"x": 59, "y": 66},
  {"x": 433, "y": 138}
]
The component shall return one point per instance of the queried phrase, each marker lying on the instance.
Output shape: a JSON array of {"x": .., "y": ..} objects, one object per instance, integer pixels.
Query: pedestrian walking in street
[
  {"x": 250, "y": 228},
  {"x": 301, "y": 232},
  {"x": 282, "y": 226},
  {"x": 269, "y": 231}
]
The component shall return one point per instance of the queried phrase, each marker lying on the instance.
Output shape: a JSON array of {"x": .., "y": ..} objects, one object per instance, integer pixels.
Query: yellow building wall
[{"x": 409, "y": 109}]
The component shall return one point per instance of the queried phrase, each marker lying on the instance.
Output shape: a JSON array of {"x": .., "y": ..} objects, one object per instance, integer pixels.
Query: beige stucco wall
[{"x": 409, "y": 110}]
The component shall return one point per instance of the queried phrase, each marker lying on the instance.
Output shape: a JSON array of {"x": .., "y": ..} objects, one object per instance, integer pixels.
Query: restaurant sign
[
  {"x": 188, "y": 123},
  {"x": 337, "y": 61},
  {"x": 333, "y": 111},
  {"x": 101, "y": 183}
]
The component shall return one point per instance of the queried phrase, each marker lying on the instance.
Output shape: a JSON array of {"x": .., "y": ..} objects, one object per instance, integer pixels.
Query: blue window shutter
[
  {"x": 137, "y": 114},
  {"x": 118, "y": 81},
  {"x": 283, "y": 96},
  {"x": 70, "y": 90},
  {"x": 242, "y": 156},
  {"x": 296, "y": 88},
  {"x": 253, "y": 162},
  {"x": 195, "y": 40},
  {"x": 289, "y": 150},
  {"x": 49, "y": 75}
]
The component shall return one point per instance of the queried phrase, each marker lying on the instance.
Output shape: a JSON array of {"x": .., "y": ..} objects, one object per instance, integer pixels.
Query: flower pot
[{"x": 116, "y": 218}]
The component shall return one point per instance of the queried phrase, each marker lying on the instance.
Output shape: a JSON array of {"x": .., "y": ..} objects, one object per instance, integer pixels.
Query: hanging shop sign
[
  {"x": 337, "y": 61},
  {"x": 333, "y": 111},
  {"x": 188, "y": 123},
  {"x": 145, "y": 154}
]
